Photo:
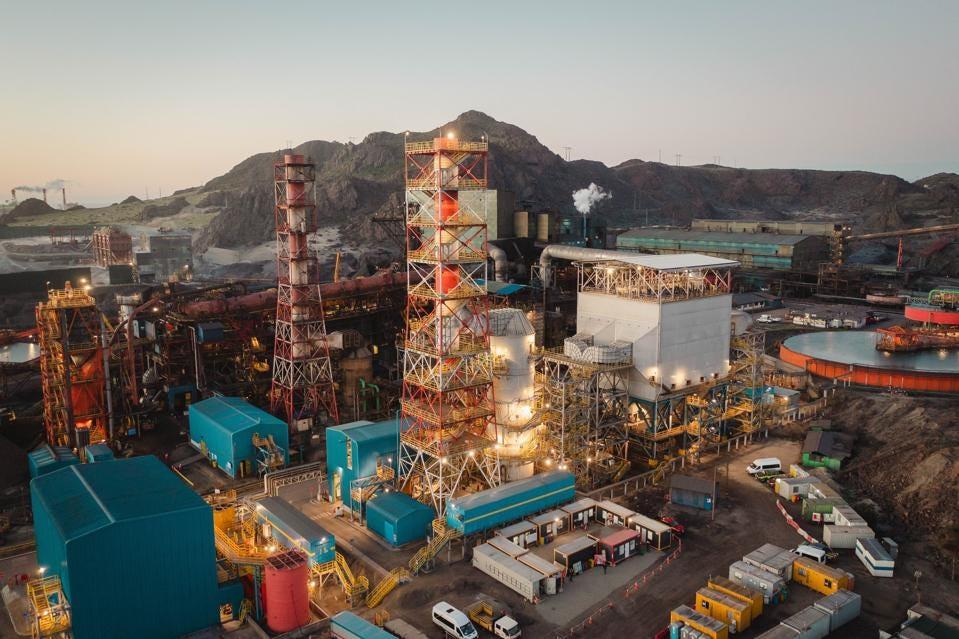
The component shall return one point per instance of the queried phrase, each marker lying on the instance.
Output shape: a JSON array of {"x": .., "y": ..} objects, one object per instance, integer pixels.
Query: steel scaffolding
[
  {"x": 74, "y": 368},
  {"x": 446, "y": 403},
  {"x": 303, "y": 392},
  {"x": 584, "y": 416}
]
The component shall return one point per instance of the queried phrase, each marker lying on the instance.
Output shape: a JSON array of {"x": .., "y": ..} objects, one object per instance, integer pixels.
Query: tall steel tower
[
  {"x": 303, "y": 392},
  {"x": 444, "y": 439}
]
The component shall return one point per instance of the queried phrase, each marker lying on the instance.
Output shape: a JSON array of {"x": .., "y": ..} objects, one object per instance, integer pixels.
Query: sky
[{"x": 118, "y": 98}]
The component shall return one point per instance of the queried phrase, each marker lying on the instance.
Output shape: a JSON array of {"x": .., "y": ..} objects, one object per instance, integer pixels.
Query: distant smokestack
[
  {"x": 64, "y": 191},
  {"x": 13, "y": 194},
  {"x": 44, "y": 196}
]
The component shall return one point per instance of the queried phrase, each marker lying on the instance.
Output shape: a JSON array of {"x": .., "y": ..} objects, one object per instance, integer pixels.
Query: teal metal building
[
  {"x": 46, "y": 459},
  {"x": 222, "y": 428},
  {"x": 398, "y": 518},
  {"x": 132, "y": 545},
  {"x": 293, "y": 529},
  {"x": 355, "y": 450},
  {"x": 346, "y": 625},
  {"x": 97, "y": 453},
  {"x": 510, "y": 502},
  {"x": 753, "y": 250}
]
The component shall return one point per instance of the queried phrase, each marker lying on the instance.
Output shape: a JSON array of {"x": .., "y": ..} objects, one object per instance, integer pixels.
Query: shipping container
[
  {"x": 577, "y": 555},
  {"x": 845, "y": 536},
  {"x": 612, "y": 514},
  {"x": 346, "y": 625},
  {"x": 551, "y": 571},
  {"x": 809, "y": 623},
  {"x": 293, "y": 529},
  {"x": 875, "y": 557},
  {"x": 846, "y": 516},
  {"x": 505, "y": 546},
  {"x": 779, "y": 632},
  {"x": 792, "y": 488},
  {"x": 692, "y": 491},
  {"x": 712, "y": 628},
  {"x": 223, "y": 428},
  {"x": 355, "y": 451},
  {"x": 725, "y": 585},
  {"x": 398, "y": 518},
  {"x": 773, "y": 559},
  {"x": 549, "y": 525},
  {"x": 821, "y": 577},
  {"x": 735, "y": 613},
  {"x": 490, "y": 508},
  {"x": 132, "y": 545},
  {"x": 522, "y": 534},
  {"x": 655, "y": 533},
  {"x": 511, "y": 573},
  {"x": 842, "y": 607},
  {"x": 820, "y": 510},
  {"x": 403, "y": 630},
  {"x": 580, "y": 512},
  {"x": 93, "y": 453},
  {"x": 769, "y": 584},
  {"x": 620, "y": 545}
]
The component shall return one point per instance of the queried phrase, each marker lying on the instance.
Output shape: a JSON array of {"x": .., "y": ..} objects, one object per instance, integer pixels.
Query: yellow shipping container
[
  {"x": 712, "y": 628},
  {"x": 820, "y": 577},
  {"x": 735, "y": 613},
  {"x": 729, "y": 587}
]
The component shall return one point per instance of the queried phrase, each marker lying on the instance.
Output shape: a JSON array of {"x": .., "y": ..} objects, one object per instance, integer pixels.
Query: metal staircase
[
  {"x": 442, "y": 536},
  {"x": 375, "y": 596},
  {"x": 355, "y": 586}
]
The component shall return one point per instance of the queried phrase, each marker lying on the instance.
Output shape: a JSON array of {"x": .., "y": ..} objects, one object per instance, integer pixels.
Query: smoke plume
[
  {"x": 585, "y": 199},
  {"x": 52, "y": 184}
]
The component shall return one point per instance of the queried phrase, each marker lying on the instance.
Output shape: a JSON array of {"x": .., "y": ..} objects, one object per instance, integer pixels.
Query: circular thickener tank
[
  {"x": 932, "y": 315},
  {"x": 286, "y": 592}
]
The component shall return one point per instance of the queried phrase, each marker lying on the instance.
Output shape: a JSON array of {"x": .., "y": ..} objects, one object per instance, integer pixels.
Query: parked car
[{"x": 678, "y": 529}]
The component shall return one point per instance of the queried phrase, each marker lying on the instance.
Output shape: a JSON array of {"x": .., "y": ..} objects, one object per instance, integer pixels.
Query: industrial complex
[{"x": 523, "y": 427}]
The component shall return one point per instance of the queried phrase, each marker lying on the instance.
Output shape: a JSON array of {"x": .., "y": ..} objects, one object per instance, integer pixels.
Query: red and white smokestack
[
  {"x": 64, "y": 191},
  {"x": 44, "y": 196}
]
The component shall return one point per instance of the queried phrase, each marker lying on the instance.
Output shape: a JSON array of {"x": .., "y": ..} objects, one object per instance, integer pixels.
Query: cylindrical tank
[
  {"x": 542, "y": 227},
  {"x": 521, "y": 223},
  {"x": 286, "y": 592}
]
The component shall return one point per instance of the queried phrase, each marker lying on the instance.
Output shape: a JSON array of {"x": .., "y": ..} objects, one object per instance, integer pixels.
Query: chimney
[
  {"x": 64, "y": 190},
  {"x": 44, "y": 196},
  {"x": 13, "y": 194}
]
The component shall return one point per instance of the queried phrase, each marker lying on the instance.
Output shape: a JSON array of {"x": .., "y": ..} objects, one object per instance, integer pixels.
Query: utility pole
[
  {"x": 566, "y": 152},
  {"x": 679, "y": 157}
]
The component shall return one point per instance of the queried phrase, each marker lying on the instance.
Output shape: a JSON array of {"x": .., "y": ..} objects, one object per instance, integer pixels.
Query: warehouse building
[
  {"x": 226, "y": 431},
  {"x": 360, "y": 450},
  {"x": 132, "y": 545},
  {"x": 751, "y": 250},
  {"x": 46, "y": 459},
  {"x": 398, "y": 518}
]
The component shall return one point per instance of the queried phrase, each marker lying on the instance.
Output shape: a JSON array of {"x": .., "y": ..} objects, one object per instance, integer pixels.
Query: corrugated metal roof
[
  {"x": 359, "y": 626},
  {"x": 616, "y": 509},
  {"x": 233, "y": 414},
  {"x": 578, "y": 544},
  {"x": 396, "y": 505},
  {"x": 516, "y": 529},
  {"x": 510, "y": 490},
  {"x": 875, "y": 549},
  {"x": 805, "y": 618},
  {"x": 579, "y": 505},
  {"x": 545, "y": 518},
  {"x": 692, "y": 484},
  {"x": 363, "y": 430},
  {"x": 716, "y": 236},
  {"x": 619, "y": 537},
  {"x": 282, "y": 512},
  {"x": 508, "y": 562},
  {"x": 84, "y": 498},
  {"x": 537, "y": 563},
  {"x": 677, "y": 262}
]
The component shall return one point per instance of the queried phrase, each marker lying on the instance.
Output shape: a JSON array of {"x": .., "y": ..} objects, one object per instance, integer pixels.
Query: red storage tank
[
  {"x": 447, "y": 280},
  {"x": 449, "y": 204},
  {"x": 286, "y": 592}
]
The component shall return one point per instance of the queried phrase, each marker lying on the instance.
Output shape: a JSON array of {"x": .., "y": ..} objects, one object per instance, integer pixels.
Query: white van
[
  {"x": 816, "y": 552},
  {"x": 764, "y": 465},
  {"x": 453, "y": 622}
]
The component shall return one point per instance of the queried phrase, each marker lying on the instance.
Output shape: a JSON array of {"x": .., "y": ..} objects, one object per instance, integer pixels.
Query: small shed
[
  {"x": 821, "y": 577},
  {"x": 46, "y": 459},
  {"x": 522, "y": 534},
  {"x": 357, "y": 451},
  {"x": 398, "y": 518},
  {"x": 223, "y": 430},
  {"x": 845, "y": 536},
  {"x": 97, "y": 453},
  {"x": 295, "y": 530},
  {"x": 505, "y": 546},
  {"x": 769, "y": 584},
  {"x": 549, "y": 525},
  {"x": 575, "y": 556},
  {"x": 774, "y": 559},
  {"x": 654, "y": 532},
  {"x": 580, "y": 512},
  {"x": 826, "y": 448},
  {"x": 620, "y": 545},
  {"x": 612, "y": 514},
  {"x": 875, "y": 558},
  {"x": 692, "y": 491},
  {"x": 734, "y": 612}
]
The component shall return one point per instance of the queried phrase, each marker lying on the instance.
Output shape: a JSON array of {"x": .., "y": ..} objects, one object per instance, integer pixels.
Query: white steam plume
[{"x": 585, "y": 199}]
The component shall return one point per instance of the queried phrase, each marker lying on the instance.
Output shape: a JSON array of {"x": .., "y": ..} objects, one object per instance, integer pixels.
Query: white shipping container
[
  {"x": 507, "y": 571},
  {"x": 842, "y": 607},
  {"x": 809, "y": 623},
  {"x": 757, "y": 579},
  {"x": 845, "y": 536}
]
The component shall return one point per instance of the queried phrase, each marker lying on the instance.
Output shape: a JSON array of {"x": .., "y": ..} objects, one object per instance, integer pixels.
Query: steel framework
[
  {"x": 632, "y": 281},
  {"x": 74, "y": 368},
  {"x": 446, "y": 403},
  {"x": 678, "y": 421},
  {"x": 303, "y": 390},
  {"x": 745, "y": 410},
  {"x": 584, "y": 416}
]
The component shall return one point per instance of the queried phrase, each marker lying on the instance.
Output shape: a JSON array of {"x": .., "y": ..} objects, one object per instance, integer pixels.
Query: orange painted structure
[
  {"x": 286, "y": 594},
  {"x": 112, "y": 246},
  {"x": 820, "y": 354},
  {"x": 899, "y": 339},
  {"x": 932, "y": 315}
]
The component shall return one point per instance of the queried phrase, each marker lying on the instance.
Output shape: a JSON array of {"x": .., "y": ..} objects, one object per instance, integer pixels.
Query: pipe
[
  {"x": 500, "y": 262},
  {"x": 563, "y": 252}
]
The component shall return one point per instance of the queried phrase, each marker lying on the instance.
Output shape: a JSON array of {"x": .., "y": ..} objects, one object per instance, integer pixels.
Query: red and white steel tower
[
  {"x": 444, "y": 438},
  {"x": 303, "y": 393}
]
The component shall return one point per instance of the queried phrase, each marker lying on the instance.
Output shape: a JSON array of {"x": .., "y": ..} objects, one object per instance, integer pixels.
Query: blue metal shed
[
  {"x": 222, "y": 428},
  {"x": 46, "y": 459},
  {"x": 509, "y": 502},
  {"x": 398, "y": 518},
  {"x": 353, "y": 451},
  {"x": 346, "y": 625},
  {"x": 292, "y": 528},
  {"x": 132, "y": 545},
  {"x": 97, "y": 453}
]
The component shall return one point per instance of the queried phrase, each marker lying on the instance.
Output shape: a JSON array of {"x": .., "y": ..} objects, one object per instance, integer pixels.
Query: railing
[
  {"x": 375, "y": 596},
  {"x": 353, "y": 586},
  {"x": 443, "y": 536},
  {"x": 446, "y": 144}
]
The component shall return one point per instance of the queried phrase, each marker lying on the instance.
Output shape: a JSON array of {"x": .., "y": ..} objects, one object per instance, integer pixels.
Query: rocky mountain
[{"x": 356, "y": 180}]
